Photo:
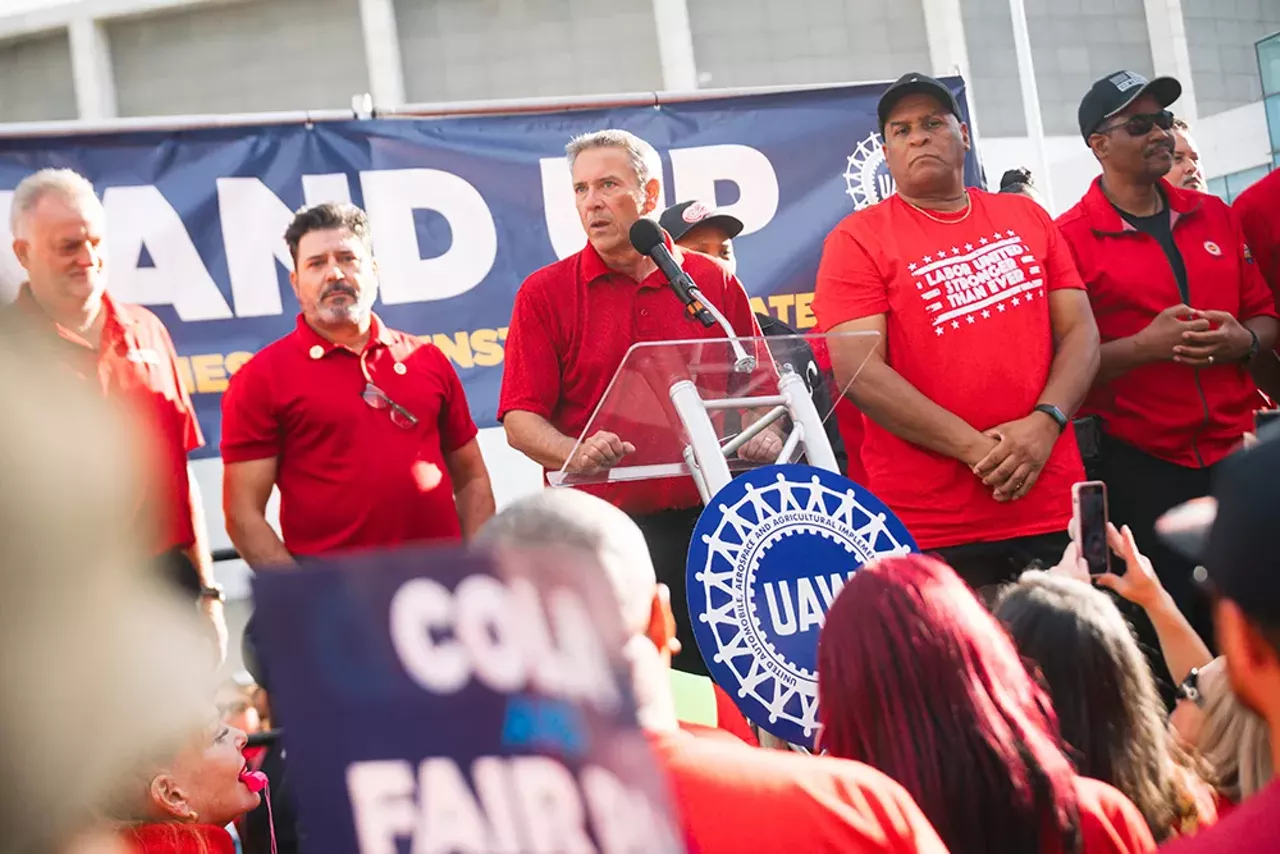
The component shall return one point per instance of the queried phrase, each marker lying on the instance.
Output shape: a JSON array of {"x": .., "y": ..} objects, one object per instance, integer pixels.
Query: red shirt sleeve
[
  {"x": 1060, "y": 264},
  {"x": 192, "y": 438},
  {"x": 250, "y": 426},
  {"x": 456, "y": 425},
  {"x": 1256, "y": 298},
  {"x": 531, "y": 366},
  {"x": 849, "y": 285},
  {"x": 1262, "y": 232},
  {"x": 1109, "y": 822}
]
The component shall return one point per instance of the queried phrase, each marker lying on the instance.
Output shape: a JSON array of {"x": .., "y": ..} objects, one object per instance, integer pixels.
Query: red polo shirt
[
  {"x": 349, "y": 476},
  {"x": 573, "y": 323},
  {"x": 735, "y": 798},
  {"x": 136, "y": 364},
  {"x": 1259, "y": 210},
  {"x": 1189, "y": 416},
  {"x": 966, "y": 305}
]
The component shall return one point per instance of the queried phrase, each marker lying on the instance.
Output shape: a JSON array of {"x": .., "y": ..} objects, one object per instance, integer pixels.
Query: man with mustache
[
  {"x": 364, "y": 429},
  {"x": 986, "y": 347},
  {"x": 1182, "y": 311}
]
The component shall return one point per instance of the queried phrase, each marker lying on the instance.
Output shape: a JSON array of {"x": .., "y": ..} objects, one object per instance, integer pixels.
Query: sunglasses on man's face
[{"x": 1141, "y": 124}]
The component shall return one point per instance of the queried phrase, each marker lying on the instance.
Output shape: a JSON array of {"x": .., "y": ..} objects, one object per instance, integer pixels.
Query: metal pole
[{"x": 1031, "y": 97}]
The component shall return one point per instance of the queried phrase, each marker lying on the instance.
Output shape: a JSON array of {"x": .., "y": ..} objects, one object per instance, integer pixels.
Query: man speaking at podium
[{"x": 573, "y": 323}]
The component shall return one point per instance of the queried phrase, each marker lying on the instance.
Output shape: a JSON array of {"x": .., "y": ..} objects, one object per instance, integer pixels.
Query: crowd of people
[{"x": 987, "y": 695}]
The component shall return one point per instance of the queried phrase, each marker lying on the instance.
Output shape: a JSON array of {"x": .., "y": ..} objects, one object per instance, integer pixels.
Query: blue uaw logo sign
[{"x": 769, "y": 555}]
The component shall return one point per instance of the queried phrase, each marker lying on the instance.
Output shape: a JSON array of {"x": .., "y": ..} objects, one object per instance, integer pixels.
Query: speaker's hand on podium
[
  {"x": 599, "y": 451},
  {"x": 764, "y": 447}
]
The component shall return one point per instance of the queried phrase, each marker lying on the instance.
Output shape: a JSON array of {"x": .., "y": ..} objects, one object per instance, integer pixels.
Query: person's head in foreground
[
  {"x": 184, "y": 801},
  {"x": 917, "y": 679},
  {"x": 572, "y": 519},
  {"x": 1237, "y": 554},
  {"x": 1124, "y": 121},
  {"x": 1018, "y": 182},
  {"x": 1186, "y": 172},
  {"x": 925, "y": 140},
  {"x": 695, "y": 226},
  {"x": 1109, "y": 710},
  {"x": 108, "y": 663}
]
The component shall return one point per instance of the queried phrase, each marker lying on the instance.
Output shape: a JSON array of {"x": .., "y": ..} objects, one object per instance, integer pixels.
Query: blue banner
[
  {"x": 440, "y": 701},
  {"x": 462, "y": 209}
]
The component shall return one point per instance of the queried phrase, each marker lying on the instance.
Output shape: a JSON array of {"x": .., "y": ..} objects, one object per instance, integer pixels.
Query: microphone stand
[{"x": 744, "y": 363}]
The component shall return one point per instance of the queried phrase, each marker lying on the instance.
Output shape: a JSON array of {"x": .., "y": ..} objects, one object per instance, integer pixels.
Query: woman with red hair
[{"x": 917, "y": 679}]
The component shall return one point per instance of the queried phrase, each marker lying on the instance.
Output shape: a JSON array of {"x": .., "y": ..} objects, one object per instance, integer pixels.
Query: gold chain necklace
[{"x": 968, "y": 209}]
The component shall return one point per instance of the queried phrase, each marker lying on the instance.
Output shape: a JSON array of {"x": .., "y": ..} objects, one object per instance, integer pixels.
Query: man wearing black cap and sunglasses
[
  {"x": 1182, "y": 312},
  {"x": 1237, "y": 546}
]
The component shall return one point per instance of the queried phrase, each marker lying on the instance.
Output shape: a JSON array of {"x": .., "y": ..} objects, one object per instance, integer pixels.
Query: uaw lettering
[
  {"x": 462, "y": 210},
  {"x": 769, "y": 555},
  {"x": 482, "y": 709},
  {"x": 969, "y": 284}
]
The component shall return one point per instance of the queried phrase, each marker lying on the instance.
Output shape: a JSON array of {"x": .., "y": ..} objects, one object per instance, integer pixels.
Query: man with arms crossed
[{"x": 987, "y": 347}]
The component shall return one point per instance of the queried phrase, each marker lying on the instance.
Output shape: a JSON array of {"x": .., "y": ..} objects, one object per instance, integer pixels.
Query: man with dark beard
[
  {"x": 364, "y": 429},
  {"x": 1182, "y": 311}
]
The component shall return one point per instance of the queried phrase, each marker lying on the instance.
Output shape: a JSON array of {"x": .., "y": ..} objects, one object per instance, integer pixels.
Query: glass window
[
  {"x": 1275, "y": 160},
  {"x": 1273, "y": 121},
  {"x": 1238, "y": 181},
  {"x": 1218, "y": 186},
  {"x": 1269, "y": 64}
]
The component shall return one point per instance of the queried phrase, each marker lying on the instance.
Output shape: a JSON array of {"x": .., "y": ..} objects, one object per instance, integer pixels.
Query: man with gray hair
[
  {"x": 574, "y": 321},
  {"x": 782, "y": 802},
  {"x": 120, "y": 351}
]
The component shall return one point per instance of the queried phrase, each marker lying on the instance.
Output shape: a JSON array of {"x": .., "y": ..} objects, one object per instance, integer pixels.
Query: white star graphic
[
  {"x": 997, "y": 236},
  {"x": 1010, "y": 233},
  {"x": 955, "y": 250},
  {"x": 911, "y": 266},
  {"x": 938, "y": 330},
  {"x": 968, "y": 247},
  {"x": 970, "y": 318},
  {"x": 928, "y": 258},
  {"x": 986, "y": 313},
  {"x": 1041, "y": 292},
  {"x": 955, "y": 324},
  {"x": 1015, "y": 300},
  {"x": 984, "y": 241},
  {"x": 943, "y": 253},
  {"x": 1000, "y": 307},
  {"x": 1030, "y": 296}
]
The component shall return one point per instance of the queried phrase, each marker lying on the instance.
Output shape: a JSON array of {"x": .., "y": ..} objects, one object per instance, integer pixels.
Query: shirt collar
[
  {"x": 594, "y": 268},
  {"x": 117, "y": 320},
  {"x": 309, "y": 339},
  {"x": 1105, "y": 219}
]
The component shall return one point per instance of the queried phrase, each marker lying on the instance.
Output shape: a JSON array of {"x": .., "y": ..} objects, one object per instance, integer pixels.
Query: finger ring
[{"x": 1211, "y": 360}]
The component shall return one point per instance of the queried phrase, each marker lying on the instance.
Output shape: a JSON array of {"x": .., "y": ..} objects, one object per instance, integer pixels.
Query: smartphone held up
[{"x": 1089, "y": 511}]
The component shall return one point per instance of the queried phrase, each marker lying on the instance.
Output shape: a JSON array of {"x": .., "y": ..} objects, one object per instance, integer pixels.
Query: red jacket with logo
[{"x": 1190, "y": 416}]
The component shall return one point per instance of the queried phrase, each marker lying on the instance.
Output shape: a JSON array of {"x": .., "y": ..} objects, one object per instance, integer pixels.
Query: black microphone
[{"x": 646, "y": 237}]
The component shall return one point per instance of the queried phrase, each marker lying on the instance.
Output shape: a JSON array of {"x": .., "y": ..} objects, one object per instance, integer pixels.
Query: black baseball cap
[
  {"x": 677, "y": 220},
  {"x": 1113, "y": 93},
  {"x": 915, "y": 83},
  {"x": 1233, "y": 534}
]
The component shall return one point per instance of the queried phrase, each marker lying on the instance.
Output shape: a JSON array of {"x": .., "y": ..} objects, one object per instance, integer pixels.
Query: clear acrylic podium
[{"x": 690, "y": 407}]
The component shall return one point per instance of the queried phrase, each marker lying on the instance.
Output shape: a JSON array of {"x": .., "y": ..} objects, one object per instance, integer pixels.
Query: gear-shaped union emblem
[
  {"x": 866, "y": 174},
  {"x": 769, "y": 555}
]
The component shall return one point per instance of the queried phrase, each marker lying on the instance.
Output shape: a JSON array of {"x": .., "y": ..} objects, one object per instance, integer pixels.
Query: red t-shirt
[
  {"x": 174, "y": 838},
  {"x": 572, "y": 325},
  {"x": 134, "y": 363},
  {"x": 733, "y": 798},
  {"x": 350, "y": 477},
  {"x": 1258, "y": 208},
  {"x": 967, "y": 324},
  {"x": 1109, "y": 823},
  {"x": 1251, "y": 828}
]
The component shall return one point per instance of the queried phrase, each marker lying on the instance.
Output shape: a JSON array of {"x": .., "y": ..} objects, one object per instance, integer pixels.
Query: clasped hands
[{"x": 1011, "y": 455}]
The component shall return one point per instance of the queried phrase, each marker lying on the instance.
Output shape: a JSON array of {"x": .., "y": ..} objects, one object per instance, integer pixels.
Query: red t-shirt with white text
[{"x": 966, "y": 307}]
